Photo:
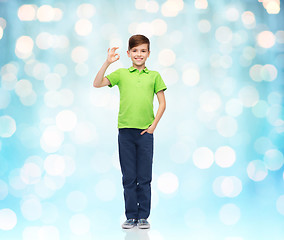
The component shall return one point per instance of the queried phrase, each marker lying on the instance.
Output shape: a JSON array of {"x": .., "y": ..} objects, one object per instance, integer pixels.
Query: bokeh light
[
  {"x": 8, "y": 219},
  {"x": 218, "y": 159}
]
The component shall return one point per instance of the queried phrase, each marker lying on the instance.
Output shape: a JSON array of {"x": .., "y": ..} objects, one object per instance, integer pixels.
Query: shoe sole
[
  {"x": 143, "y": 227},
  {"x": 128, "y": 227}
]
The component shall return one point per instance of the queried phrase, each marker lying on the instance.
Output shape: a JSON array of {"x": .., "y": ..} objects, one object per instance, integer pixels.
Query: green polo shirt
[{"x": 136, "y": 95}]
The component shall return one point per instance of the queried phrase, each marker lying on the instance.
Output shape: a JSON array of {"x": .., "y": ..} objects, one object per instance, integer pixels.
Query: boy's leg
[
  {"x": 144, "y": 173},
  {"x": 127, "y": 159}
]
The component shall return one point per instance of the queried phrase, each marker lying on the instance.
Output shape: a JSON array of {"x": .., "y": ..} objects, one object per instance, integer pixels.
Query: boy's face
[{"x": 139, "y": 54}]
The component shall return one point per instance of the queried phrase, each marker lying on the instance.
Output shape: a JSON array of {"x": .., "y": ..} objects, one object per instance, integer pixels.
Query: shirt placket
[{"x": 139, "y": 76}]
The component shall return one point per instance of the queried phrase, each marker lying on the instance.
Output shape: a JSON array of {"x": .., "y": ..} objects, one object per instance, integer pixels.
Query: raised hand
[{"x": 112, "y": 56}]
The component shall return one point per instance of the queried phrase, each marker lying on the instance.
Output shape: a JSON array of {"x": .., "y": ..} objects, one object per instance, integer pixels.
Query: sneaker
[
  {"x": 143, "y": 223},
  {"x": 129, "y": 223}
]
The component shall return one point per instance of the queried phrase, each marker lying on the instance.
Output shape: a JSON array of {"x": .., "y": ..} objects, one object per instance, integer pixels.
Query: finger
[{"x": 143, "y": 132}]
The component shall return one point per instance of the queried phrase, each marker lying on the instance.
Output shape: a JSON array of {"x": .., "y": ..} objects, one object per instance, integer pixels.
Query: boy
[{"x": 136, "y": 124}]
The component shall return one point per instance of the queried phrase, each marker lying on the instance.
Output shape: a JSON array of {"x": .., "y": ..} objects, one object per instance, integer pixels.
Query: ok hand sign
[{"x": 112, "y": 56}]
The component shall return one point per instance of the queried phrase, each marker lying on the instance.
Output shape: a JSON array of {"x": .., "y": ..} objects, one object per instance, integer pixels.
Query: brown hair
[{"x": 137, "y": 40}]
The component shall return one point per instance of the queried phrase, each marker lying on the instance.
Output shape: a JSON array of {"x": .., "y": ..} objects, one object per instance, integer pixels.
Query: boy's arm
[
  {"x": 100, "y": 80},
  {"x": 160, "y": 112}
]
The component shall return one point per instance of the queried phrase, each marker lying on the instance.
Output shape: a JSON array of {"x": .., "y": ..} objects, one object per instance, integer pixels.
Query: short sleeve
[
  {"x": 113, "y": 77},
  {"x": 159, "y": 84}
]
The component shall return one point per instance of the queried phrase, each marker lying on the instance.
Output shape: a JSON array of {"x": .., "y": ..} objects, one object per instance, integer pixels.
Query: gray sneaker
[
  {"x": 129, "y": 223},
  {"x": 143, "y": 224}
]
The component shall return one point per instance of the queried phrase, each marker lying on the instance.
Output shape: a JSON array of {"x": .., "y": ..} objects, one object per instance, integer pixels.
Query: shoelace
[
  {"x": 130, "y": 221},
  {"x": 143, "y": 221}
]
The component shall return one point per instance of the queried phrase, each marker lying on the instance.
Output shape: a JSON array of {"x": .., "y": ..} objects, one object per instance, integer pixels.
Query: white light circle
[
  {"x": 86, "y": 10},
  {"x": 268, "y": 72},
  {"x": 249, "y": 96},
  {"x": 30, "y": 173},
  {"x": 263, "y": 144},
  {"x": 66, "y": 97},
  {"x": 54, "y": 165},
  {"x": 257, "y": 170},
  {"x": 30, "y": 233},
  {"x": 24, "y": 47},
  {"x": 84, "y": 132},
  {"x": 23, "y": 88},
  {"x": 45, "y": 40},
  {"x": 48, "y": 232},
  {"x": 26, "y": 12},
  {"x": 168, "y": 183},
  {"x": 225, "y": 156},
  {"x": 273, "y": 159},
  {"x": 40, "y": 70},
  {"x": 231, "y": 186},
  {"x": 159, "y": 27},
  {"x": 8, "y": 81},
  {"x": 45, "y": 13},
  {"x": 54, "y": 182},
  {"x": 172, "y": 8},
  {"x": 204, "y": 26},
  {"x": 210, "y": 101},
  {"x": 80, "y": 54},
  {"x": 31, "y": 209},
  {"x": 7, "y": 126},
  {"x": 8, "y": 219},
  {"x": 52, "y": 81},
  {"x": 52, "y": 99},
  {"x": 170, "y": 76},
  {"x": 229, "y": 214},
  {"x": 234, "y": 107},
  {"x": 83, "y": 27},
  {"x": 30, "y": 99},
  {"x": 151, "y": 6},
  {"x": 232, "y": 14},
  {"x": 227, "y": 126},
  {"x": 167, "y": 57},
  {"x": 66, "y": 120},
  {"x": 203, "y": 158},
  {"x": 105, "y": 190},
  {"x": 52, "y": 139},
  {"x": 76, "y": 201},
  {"x": 223, "y": 34},
  {"x": 266, "y": 39},
  {"x": 79, "y": 224},
  {"x": 191, "y": 77}
]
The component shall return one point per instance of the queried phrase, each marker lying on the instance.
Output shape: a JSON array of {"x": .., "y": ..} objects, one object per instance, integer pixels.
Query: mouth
[{"x": 139, "y": 59}]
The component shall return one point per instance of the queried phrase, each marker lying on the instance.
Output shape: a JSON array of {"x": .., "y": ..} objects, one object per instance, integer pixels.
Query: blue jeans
[{"x": 136, "y": 159}]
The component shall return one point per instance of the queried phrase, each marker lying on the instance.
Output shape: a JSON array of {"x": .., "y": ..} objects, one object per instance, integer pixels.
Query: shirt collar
[{"x": 132, "y": 69}]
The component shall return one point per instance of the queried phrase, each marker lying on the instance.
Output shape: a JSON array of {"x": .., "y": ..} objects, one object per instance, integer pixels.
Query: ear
[
  {"x": 149, "y": 53},
  {"x": 128, "y": 53}
]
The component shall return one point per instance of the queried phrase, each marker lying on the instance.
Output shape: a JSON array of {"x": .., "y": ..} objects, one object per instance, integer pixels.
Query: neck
[{"x": 140, "y": 67}]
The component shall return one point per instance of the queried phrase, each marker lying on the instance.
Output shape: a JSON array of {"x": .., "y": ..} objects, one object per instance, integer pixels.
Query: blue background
[{"x": 61, "y": 180}]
